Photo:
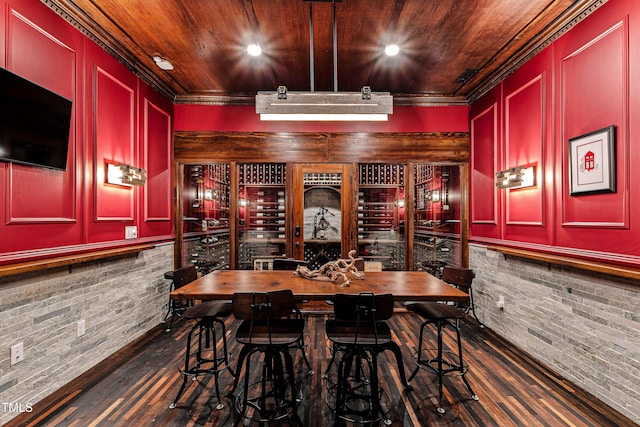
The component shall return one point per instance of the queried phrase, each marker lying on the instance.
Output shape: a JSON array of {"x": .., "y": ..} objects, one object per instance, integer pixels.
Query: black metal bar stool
[
  {"x": 434, "y": 267},
  {"x": 290, "y": 264},
  {"x": 169, "y": 276},
  {"x": 207, "y": 315},
  {"x": 360, "y": 333},
  {"x": 441, "y": 315},
  {"x": 267, "y": 328},
  {"x": 179, "y": 278},
  {"x": 462, "y": 278}
]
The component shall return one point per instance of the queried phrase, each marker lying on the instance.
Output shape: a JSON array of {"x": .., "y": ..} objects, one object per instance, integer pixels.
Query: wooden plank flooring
[{"x": 135, "y": 386}]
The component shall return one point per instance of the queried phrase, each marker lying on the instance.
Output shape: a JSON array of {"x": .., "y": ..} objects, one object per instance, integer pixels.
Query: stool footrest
[
  {"x": 275, "y": 407},
  {"x": 357, "y": 405},
  {"x": 451, "y": 367}
]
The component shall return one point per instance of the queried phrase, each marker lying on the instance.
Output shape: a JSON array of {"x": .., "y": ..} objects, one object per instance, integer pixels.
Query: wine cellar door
[{"x": 322, "y": 212}]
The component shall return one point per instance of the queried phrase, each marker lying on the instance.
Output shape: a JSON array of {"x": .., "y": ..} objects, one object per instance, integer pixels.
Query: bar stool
[
  {"x": 360, "y": 333},
  {"x": 179, "y": 278},
  {"x": 168, "y": 275},
  {"x": 441, "y": 315},
  {"x": 267, "y": 328},
  {"x": 462, "y": 278},
  {"x": 434, "y": 267},
  {"x": 291, "y": 264},
  {"x": 206, "y": 315}
]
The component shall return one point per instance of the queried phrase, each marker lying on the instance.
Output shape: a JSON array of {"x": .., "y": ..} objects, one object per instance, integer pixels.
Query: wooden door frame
[{"x": 347, "y": 201}]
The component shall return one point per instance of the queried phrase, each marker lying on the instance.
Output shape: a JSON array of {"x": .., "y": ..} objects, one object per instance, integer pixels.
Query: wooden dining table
[{"x": 403, "y": 285}]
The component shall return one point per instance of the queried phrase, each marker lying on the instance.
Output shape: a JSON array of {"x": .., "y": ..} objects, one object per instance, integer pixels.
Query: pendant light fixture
[{"x": 284, "y": 105}]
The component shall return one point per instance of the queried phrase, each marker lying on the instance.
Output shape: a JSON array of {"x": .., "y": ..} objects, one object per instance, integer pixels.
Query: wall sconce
[
  {"x": 433, "y": 196},
  {"x": 211, "y": 194},
  {"x": 518, "y": 177},
  {"x": 243, "y": 203},
  {"x": 125, "y": 175},
  {"x": 399, "y": 203}
]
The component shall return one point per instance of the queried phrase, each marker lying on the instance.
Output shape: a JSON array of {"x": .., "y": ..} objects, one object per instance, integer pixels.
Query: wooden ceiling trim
[
  {"x": 572, "y": 16},
  {"x": 221, "y": 78},
  {"x": 206, "y": 147},
  {"x": 80, "y": 20},
  {"x": 398, "y": 100}
]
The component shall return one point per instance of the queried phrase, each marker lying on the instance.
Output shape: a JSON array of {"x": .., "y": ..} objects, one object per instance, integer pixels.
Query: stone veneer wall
[
  {"x": 584, "y": 326},
  {"x": 119, "y": 299}
]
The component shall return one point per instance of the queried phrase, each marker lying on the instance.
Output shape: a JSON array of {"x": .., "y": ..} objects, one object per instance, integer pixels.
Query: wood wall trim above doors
[{"x": 445, "y": 147}]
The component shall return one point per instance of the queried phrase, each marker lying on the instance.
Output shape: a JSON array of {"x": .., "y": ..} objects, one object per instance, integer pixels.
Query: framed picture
[{"x": 592, "y": 162}]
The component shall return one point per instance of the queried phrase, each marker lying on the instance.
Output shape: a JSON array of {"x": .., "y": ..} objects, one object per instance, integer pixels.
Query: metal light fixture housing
[
  {"x": 518, "y": 177},
  {"x": 125, "y": 175},
  {"x": 283, "y": 105},
  {"x": 324, "y": 106}
]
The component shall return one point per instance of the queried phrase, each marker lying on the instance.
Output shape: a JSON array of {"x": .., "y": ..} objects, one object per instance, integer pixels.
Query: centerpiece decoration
[{"x": 333, "y": 271}]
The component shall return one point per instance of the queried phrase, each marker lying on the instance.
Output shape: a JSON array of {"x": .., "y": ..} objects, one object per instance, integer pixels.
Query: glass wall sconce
[
  {"x": 211, "y": 194},
  {"x": 518, "y": 177},
  {"x": 125, "y": 175}
]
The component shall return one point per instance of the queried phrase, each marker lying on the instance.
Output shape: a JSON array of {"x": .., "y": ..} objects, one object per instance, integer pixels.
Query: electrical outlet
[
  {"x": 80, "y": 328},
  {"x": 17, "y": 353},
  {"x": 130, "y": 232},
  {"x": 500, "y": 302}
]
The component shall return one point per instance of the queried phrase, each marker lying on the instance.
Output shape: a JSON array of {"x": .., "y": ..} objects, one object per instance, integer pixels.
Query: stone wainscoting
[
  {"x": 119, "y": 300},
  {"x": 583, "y": 325}
]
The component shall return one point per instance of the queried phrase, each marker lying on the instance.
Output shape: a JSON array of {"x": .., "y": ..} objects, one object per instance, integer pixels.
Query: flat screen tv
[{"x": 34, "y": 123}]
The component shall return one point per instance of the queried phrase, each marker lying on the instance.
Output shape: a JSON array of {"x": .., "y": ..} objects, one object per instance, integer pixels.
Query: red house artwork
[{"x": 589, "y": 161}]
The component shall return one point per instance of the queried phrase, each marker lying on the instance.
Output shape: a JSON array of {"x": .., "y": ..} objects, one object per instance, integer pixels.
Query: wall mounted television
[{"x": 34, "y": 123}]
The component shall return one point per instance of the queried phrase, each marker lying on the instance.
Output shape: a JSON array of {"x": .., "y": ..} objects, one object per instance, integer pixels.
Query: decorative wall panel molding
[
  {"x": 52, "y": 194},
  {"x": 594, "y": 89},
  {"x": 524, "y": 146},
  {"x": 114, "y": 125},
  {"x": 484, "y": 165},
  {"x": 158, "y": 159}
]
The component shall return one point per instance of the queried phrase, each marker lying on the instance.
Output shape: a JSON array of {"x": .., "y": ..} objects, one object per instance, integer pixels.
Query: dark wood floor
[{"x": 135, "y": 387}]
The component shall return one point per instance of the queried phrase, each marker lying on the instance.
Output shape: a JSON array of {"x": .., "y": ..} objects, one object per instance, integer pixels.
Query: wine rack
[
  {"x": 262, "y": 212},
  {"x": 209, "y": 252},
  {"x": 318, "y": 253},
  {"x": 436, "y": 218},
  {"x": 263, "y": 174},
  {"x": 206, "y": 216},
  {"x": 381, "y": 174},
  {"x": 381, "y": 214},
  {"x": 432, "y": 207}
]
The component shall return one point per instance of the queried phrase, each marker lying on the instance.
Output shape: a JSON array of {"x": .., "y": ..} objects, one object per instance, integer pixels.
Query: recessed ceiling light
[
  {"x": 162, "y": 63},
  {"x": 254, "y": 50},
  {"x": 392, "y": 50}
]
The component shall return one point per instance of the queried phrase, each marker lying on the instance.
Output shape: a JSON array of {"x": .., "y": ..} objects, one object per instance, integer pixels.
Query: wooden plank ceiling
[{"x": 452, "y": 50}]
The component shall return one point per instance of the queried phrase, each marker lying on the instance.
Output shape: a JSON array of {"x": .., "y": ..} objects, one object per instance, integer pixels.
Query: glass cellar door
[
  {"x": 320, "y": 225},
  {"x": 205, "y": 221},
  {"x": 437, "y": 212},
  {"x": 381, "y": 216},
  {"x": 262, "y": 216}
]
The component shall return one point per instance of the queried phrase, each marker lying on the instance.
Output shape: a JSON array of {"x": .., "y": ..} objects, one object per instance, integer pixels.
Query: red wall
[
  {"x": 245, "y": 119},
  {"x": 116, "y": 117},
  {"x": 584, "y": 81}
]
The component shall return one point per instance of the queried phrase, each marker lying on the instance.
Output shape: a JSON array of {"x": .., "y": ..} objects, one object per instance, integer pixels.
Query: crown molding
[
  {"x": 70, "y": 12},
  {"x": 200, "y": 99},
  {"x": 402, "y": 100},
  {"x": 405, "y": 100},
  {"x": 75, "y": 16},
  {"x": 572, "y": 16}
]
